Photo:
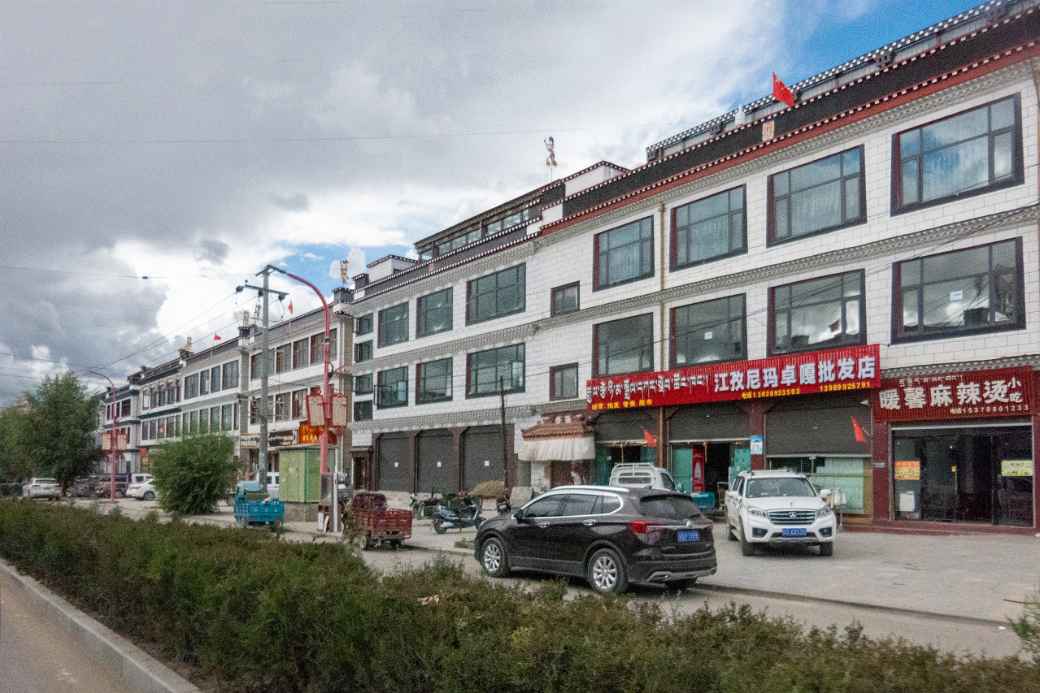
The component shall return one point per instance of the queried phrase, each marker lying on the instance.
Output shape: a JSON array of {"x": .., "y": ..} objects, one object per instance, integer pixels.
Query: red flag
[
  {"x": 857, "y": 431},
  {"x": 216, "y": 338},
  {"x": 290, "y": 306},
  {"x": 648, "y": 437},
  {"x": 781, "y": 92}
]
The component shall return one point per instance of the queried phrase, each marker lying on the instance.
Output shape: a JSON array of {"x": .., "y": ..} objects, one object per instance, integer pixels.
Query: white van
[{"x": 641, "y": 475}]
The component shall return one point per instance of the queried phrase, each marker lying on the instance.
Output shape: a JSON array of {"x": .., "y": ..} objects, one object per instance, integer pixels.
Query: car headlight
[
  {"x": 757, "y": 511},
  {"x": 824, "y": 512}
]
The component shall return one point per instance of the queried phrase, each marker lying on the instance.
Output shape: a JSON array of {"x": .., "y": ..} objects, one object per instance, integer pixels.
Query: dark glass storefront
[{"x": 964, "y": 474}]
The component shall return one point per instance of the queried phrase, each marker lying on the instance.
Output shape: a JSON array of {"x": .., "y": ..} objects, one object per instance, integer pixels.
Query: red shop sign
[
  {"x": 832, "y": 370},
  {"x": 1001, "y": 392}
]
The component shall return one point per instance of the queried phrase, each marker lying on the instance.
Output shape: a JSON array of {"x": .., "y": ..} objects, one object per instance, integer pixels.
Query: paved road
[{"x": 39, "y": 657}]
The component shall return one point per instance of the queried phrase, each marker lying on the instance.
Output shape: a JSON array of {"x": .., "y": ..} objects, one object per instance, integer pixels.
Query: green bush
[
  {"x": 1027, "y": 627},
  {"x": 256, "y": 614},
  {"x": 192, "y": 474}
]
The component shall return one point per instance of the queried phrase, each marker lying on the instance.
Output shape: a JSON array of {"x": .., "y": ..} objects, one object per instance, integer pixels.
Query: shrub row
[{"x": 253, "y": 613}]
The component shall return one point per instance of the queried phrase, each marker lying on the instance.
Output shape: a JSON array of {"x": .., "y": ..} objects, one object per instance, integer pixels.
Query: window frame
[
  {"x": 380, "y": 387},
  {"x": 384, "y": 323},
  {"x": 421, "y": 311},
  {"x": 595, "y": 345},
  {"x": 674, "y": 235},
  {"x": 771, "y": 237},
  {"x": 771, "y": 331},
  {"x": 229, "y": 375},
  {"x": 898, "y": 288},
  {"x": 301, "y": 356},
  {"x": 215, "y": 379},
  {"x": 1017, "y": 165},
  {"x": 553, "y": 394},
  {"x": 362, "y": 345},
  {"x": 471, "y": 381},
  {"x": 362, "y": 403},
  {"x": 597, "y": 280},
  {"x": 420, "y": 378},
  {"x": 359, "y": 324},
  {"x": 472, "y": 299},
  {"x": 564, "y": 287},
  {"x": 361, "y": 378},
  {"x": 673, "y": 332}
]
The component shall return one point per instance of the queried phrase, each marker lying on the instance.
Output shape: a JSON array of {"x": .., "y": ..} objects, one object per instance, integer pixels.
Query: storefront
[
  {"x": 621, "y": 437},
  {"x": 958, "y": 448},
  {"x": 560, "y": 450},
  {"x": 708, "y": 444}
]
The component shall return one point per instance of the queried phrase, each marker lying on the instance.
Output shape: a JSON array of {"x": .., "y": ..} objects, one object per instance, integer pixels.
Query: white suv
[
  {"x": 778, "y": 507},
  {"x": 41, "y": 488}
]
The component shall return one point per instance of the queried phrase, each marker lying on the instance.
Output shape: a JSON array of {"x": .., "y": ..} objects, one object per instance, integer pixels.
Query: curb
[{"x": 134, "y": 667}]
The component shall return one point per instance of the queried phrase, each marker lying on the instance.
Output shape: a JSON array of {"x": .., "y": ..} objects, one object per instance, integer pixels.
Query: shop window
[
  {"x": 363, "y": 410},
  {"x": 363, "y": 325},
  {"x": 301, "y": 353},
  {"x": 363, "y": 384},
  {"x": 229, "y": 375},
  {"x": 965, "y": 154},
  {"x": 299, "y": 404},
  {"x": 845, "y": 473},
  {"x": 818, "y": 314},
  {"x": 817, "y": 197},
  {"x": 393, "y": 325},
  {"x": 281, "y": 407},
  {"x": 708, "y": 332},
  {"x": 960, "y": 292},
  {"x": 623, "y": 346},
  {"x": 433, "y": 313},
  {"x": 495, "y": 295},
  {"x": 624, "y": 254},
  {"x": 563, "y": 382},
  {"x": 709, "y": 229},
  {"x": 566, "y": 298},
  {"x": 433, "y": 381},
  {"x": 362, "y": 352},
  {"x": 489, "y": 372},
  {"x": 393, "y": 388}
]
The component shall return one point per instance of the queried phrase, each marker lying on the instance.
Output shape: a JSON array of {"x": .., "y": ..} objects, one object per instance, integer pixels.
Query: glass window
[
  {"x": 624, "y": 254},
  {"x": 225, "y": 417},
  {"x": 710, "y": 228},
  {"x": 563, "y": 382},
  {"x": 434, "y": 313},
  {"x": 254, "y": 366},
  {"x": 203, "y": 384},
  {"x": 820, "y": 196},
  {"x": 578, "y": 504},
  {"x": 624, "y": 346},
  {"x": 393, "y": 325},
  {"x": 229, "y": 375},
  {"x": 545, "y": 507},
  {"x": 845, "y": 473},
  {"x": 316, "y": 354},
  {"x": 299, "y": 404},
  {"x": 214, "y": 379},
  {"x": 565, "y": 299},
  {"x": 363, "y": 384},
  {"x": 393, "y": 388},
  {"x": 669, "y": 507},
  {"x": 254, "y": 410},
  {"x": 301, "y": 353},
  {"x": 709, "y": 331},
  {"x": 433, "y": 381},
  {"x": 214, "y": 419},
  {"x": 124, "y": 408},
  {"x": 495, "y": 295},
  {"x": 486, "y": 369},
  {"x": 333, "y": 345},
  {"x": 363, "y": 325},
  {"x": 193, "y": 422},
  {"x": 363, "y": 410},
  {"x": 362, "y": 352},
  {"x": 191, "y": 386},
  {"x": 281, "y": 407},
  {"x": 789, "y": 487},
  {"x": 972, "y": 290},
  {"x": 967, "y": 153},
  {"x": 818, "y": 313},
  {"x": 283, "y": 358}
]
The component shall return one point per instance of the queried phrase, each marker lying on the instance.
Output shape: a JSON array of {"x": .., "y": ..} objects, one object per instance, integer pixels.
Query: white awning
[{"x": 558, "y": 449}]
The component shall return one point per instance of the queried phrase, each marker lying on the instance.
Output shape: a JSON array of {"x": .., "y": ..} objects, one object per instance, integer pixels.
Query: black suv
[{"x": 611, "y": 536}]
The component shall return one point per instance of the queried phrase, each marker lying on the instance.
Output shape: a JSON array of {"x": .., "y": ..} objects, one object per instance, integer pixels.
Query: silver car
[{"x": 40, "y": 487}]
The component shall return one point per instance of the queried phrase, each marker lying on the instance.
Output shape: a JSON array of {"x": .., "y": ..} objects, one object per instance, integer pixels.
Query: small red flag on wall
[
  {"x": 857, "y": 431},
  {"x": 648, "y": 437},
  {"x": 781, "y": 92},
  {"x": 216, "y": 338}
]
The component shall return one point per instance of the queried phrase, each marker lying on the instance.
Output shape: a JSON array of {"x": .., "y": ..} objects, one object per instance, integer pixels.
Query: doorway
[
  {"x": 610, "y": 454},
  {"x": 704, "y": 466}
]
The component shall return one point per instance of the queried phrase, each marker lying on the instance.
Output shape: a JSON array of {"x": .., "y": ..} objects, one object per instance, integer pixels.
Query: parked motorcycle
[{"x": 464, "y": 513}]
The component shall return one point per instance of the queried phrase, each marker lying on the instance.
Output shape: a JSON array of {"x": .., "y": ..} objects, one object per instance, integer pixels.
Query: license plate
[
  {"x": 794, "y": 532},
  {"x": 685, "y": 536}
]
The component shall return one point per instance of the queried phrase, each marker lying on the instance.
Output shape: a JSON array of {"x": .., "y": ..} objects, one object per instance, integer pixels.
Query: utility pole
[
  {"x": 113, "y": 436},
  {"x": 502, "y": 422}
]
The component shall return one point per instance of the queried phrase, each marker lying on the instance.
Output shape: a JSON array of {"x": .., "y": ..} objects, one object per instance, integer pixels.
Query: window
[
  {"x": 301, "y": 354},
  {"x": 393, "y": 325},
  {"x": 363, "y": 384},
  {"x": 965, "y": 291},
  {"x": 817, "y": 197},
  {"x": 363, "y": 325},
  {"x": 393, "y": 388},
  {"x": 191, "y": 386},
  {"x": 709, "y": 331},
  {"x": 299, "y": 405},
  {"x": 124, "y": 408},
  {"x": 203, "y": 421},
  {"x": 486, "y": 368},
  {"x": 283, "y": 358},
  {"x": 362, "y": 352},
  {"x": 964, "y": 154},
  {"x": 433, "y": 381},
  {"x": 495, "y": 295},
  {"x": 316, "y": 352},
  {"x": 254, "y": 366},
  {"x": 229, "y": 375},
  {"x": 225, "y": 417},
  {"x": 563, "y": 382},
  {"x": 624, "y": 254},
  {"x": 203, "y": 382},
  {"x": 624, "y": 346},
  {"x": 254, "y": 410},
  {"x": 709, "y": 229},
  {"x": 545, "y": 507},
  {"x": 363, "y": 410},
  {"x": 333, "y": 345},
  {"x": 214, "y": 419},
  {"x": 281, "y": 407},
  {"x": 434, "y": 313},
  {"x": 818, "y": 313},
  {"x": 193, "y": 422},
  {"x": 565, "y": 299},
  {"x": 472, "y": 235},
  {"x": 575, "y": 504}
]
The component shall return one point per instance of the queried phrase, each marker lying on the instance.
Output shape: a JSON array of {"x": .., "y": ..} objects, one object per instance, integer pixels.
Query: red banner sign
[
  {"x": 832, "y": 370},
  {"x": 1002, "y": 392},
  {"x": 311, "y": 435}
]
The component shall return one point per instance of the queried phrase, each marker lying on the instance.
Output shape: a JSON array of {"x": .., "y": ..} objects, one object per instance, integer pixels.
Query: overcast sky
[{"x": 194, "y": 141}]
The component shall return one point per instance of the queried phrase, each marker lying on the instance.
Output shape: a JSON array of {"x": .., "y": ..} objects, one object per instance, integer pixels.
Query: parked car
[
  {"x": 83, "y": 487},
  {"x": 641, "y": 475},
  {"x": 778, "y": 507},
  {"x": 612, "y": 536},
  {"x": 142, "y": 491},
  {"x": 103, "y": 487},
  {"x": 40, "y": 487}
]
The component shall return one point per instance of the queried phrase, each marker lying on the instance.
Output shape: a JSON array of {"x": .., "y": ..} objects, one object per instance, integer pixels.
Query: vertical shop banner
[
  {"x": 1001, "y": 392},
  {"x": 832, "y": 370}
]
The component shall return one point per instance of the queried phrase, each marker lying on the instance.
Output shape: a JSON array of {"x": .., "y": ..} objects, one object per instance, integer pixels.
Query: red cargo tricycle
[{"x": 374, "y": 524}]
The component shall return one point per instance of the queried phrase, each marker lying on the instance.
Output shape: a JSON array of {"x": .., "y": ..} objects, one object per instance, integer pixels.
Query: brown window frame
[
  {"x": 552, "y": 298},
  {"x": 420, "y": 398},
  {"x": 553, "y": 394},
  {"x": 771, "y": 331},
  {"x": 673, "y": 334},
  {"x": 595, "y": 344},
  {"x": 674, "y": 230},
  {"x": 597, "y": 280}
]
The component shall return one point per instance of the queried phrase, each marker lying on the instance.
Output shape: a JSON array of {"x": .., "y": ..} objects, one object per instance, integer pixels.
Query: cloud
[
  {"x": 292, "y": 203},
  {"x": 313, "y": 257},
  {"x": 213, "y": 252}
]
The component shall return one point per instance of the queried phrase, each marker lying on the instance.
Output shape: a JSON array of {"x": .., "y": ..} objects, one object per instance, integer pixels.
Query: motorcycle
[{"x": 466, "y": 513}]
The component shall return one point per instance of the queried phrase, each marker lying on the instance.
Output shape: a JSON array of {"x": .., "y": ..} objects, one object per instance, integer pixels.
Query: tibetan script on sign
[
  {"x": 833, "y": 370},
  {"x": 1003, "y": 392}
]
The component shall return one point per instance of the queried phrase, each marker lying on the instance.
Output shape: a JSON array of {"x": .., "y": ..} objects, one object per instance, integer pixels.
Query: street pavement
[{"x": 37, "y": 656}]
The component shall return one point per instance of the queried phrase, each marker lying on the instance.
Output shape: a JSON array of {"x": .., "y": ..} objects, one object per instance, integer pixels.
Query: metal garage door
[
  {"x": 627, "y": 425},
  {"x": 438, "y": 470},
  {"x": 482, "y": 452},
  {"x": 394, "y": 469},
  {"x": 709, "y": 422}
]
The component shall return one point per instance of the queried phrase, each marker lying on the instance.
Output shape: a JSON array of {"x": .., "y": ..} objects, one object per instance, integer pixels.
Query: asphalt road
[{"x": 39, "y": 657}]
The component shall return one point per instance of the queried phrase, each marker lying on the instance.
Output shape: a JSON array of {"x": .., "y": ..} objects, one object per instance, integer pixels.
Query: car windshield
[
  {"x": 669, "y": 507},
  {"x": 787, "y": 487}
]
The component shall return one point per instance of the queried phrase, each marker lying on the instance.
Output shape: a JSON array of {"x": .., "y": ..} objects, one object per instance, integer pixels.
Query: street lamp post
[{"x": 113, "y": 436}]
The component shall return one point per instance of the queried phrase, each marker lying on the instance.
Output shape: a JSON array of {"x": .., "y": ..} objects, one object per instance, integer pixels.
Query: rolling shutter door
[
  {"x": 394, "y": 470},
  {"x": 708, "y": 422},
  {"x": 627, "y": 425},
  {"x": 483, "y": 456},
  {"x": 818, "y": 425},
  {"x": 438, "y": 469}
]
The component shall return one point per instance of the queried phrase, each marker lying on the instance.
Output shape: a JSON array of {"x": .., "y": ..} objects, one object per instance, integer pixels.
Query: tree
[
  {"x": 15, "y": 464},
  {"x": 192, "y": 474},
  {"x": 60, "y": 420}
]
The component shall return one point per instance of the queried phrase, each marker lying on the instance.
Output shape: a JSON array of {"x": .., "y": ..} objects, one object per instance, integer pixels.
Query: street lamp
[{"x": 113, "y": 436}]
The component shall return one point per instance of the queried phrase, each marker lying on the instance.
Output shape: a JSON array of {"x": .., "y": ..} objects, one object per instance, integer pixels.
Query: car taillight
[{"x": 641, "y": 528}]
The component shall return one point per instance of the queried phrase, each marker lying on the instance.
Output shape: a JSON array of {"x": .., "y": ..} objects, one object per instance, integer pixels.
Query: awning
[{"x": 558, "y": 441}]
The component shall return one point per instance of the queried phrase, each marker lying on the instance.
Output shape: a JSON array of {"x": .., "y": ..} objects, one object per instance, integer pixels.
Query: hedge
[{"x": 253, "y": 613}]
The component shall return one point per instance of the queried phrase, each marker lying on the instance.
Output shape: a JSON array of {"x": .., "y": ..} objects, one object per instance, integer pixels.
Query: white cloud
[{"x": 313, "y": 257}]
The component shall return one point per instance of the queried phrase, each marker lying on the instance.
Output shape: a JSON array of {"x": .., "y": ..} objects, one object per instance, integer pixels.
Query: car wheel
[
  {"x": 606, "y": 572},
  {"x": 149, "y": 496},
  {"x": 438, "y": 526},
  {"x": 827, "y": 549},
  {"x": 746, "y": 547},
  {"x": 493, "y": 558},
  {"x": 729, "y": 533},
  {"x": 680, "y": 585}
]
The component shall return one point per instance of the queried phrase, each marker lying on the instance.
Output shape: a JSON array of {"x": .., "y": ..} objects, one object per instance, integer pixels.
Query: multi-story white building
[{"x": 846, "y": 287}]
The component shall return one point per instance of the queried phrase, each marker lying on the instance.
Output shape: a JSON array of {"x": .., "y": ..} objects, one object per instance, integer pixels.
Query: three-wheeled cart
[
  {"x": 254, "y": 507},
  {"x": 376, "y": 524}
]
